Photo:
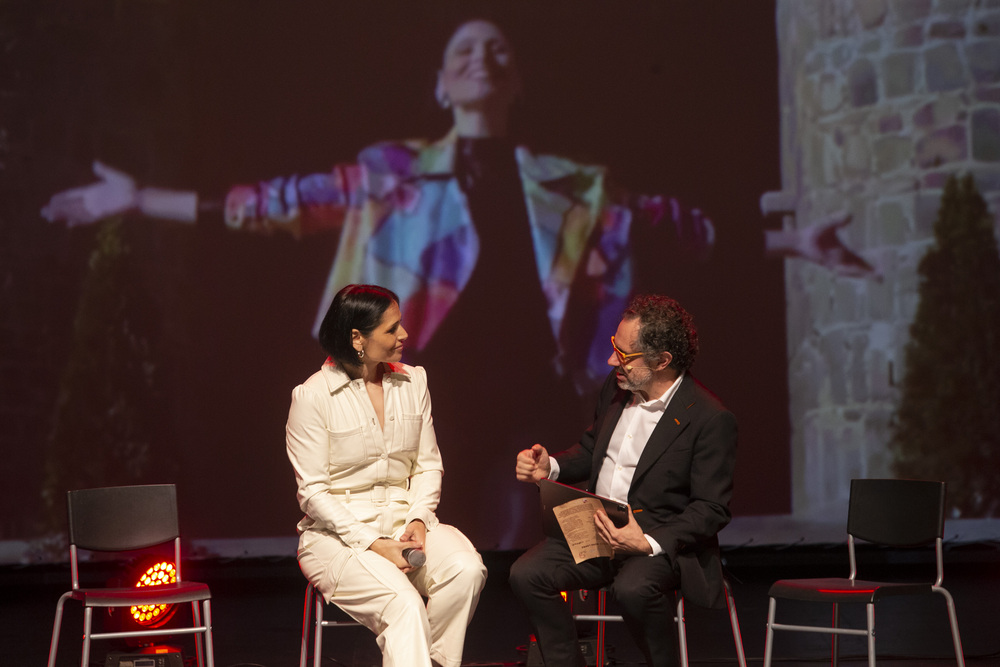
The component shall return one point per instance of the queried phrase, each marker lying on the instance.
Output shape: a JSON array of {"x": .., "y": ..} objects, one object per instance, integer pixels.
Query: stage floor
[{"x": 257, "y": 615}]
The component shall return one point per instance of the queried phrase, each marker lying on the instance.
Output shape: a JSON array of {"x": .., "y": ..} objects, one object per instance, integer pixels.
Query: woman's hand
[
  {"x": 820, "y": 243},
  {"x": 392, "y": 551},
  {"x": 415, "y": 534},
  {"x": 115, "y": 193}
]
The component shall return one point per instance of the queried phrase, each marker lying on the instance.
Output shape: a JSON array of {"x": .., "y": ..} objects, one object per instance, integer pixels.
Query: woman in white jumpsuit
[{"x": 361, "y": 440}]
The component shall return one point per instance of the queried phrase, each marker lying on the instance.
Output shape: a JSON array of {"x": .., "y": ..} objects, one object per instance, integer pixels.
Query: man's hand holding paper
[{"x": 578, "y": 520}]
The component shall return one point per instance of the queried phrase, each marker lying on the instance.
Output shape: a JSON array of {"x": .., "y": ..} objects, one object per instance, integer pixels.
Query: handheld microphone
[{"x": 415, "y": 557}]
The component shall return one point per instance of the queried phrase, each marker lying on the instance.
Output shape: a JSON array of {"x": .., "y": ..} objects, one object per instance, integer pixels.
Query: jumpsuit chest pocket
[
  {"x": 410, "y": 426},
  {"x": 348, "y": 448}
]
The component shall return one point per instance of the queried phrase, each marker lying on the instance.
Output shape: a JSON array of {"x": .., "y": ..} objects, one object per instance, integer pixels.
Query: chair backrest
[
  {"x": 122, "y": 518},
  {"x": 896, "y": 512}
]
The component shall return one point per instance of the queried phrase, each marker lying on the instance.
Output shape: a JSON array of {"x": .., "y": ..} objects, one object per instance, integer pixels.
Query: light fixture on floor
[
  {"x": 156, "y": 574},
  {"x": 150, "y": 656}
]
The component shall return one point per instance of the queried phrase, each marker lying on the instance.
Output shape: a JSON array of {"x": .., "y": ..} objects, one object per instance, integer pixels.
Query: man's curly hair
[{"x": 664, "y": 326}]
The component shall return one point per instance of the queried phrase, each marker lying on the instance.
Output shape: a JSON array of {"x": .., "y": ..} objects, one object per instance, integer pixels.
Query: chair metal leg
[
  {"x": 734, "y": 620},
  {"x": 203, "y": 647},
  {"x": 681, "y": 631},
  {"x": 599, "y": 650},
  {"x": 835, "y": 638},
  {"x": 318, "y": 628},
  {"x": 601, "y": 617},
  {"x": 306, "y": 618},
  {"x": 88, "y": 617},
  {"x": 209, "y": 644},
  {"x": 870, "y": 607},
  {"x": 956, "y": 638},
  {"x": 56, "y": 629},
  {"x": 869, "y": 632},
  {"x": 199, "y": 644},
  {"x": 312, "y": 621},
  {"x": 769, "y": 638}
]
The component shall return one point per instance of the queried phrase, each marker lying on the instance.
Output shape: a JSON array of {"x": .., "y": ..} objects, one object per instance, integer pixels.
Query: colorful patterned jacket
[{"x": 405, "y": 225}]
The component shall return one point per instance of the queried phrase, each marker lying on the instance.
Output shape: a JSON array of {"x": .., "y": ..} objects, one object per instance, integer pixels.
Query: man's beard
[{"x": 636, "y": 380}]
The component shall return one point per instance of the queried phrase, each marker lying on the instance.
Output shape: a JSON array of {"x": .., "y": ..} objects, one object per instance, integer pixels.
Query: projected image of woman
[
  {"x": 361, "y": 440},
  {"x": 511, "y": 267},
  {"x": 439, "y": 221}
]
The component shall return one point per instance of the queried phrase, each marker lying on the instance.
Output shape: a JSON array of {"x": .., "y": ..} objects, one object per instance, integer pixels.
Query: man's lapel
[{"x": 674, "y": 420}]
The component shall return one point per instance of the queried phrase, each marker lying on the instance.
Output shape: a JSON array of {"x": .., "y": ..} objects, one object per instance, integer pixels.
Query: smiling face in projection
[{"x": 478, "y": 70}]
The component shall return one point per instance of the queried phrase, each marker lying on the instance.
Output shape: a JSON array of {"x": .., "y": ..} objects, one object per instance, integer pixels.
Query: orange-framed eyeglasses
[{"x": 622, "y": 357}]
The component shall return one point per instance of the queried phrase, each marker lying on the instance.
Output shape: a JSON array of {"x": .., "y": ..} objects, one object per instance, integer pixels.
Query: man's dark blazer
[{"x": 683, "y": 481}]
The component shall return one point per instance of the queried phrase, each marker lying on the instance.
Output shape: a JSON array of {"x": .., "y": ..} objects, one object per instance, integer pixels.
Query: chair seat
[
  {"x": 182, "y": 591},
  {"x": 843, "y": 590}
]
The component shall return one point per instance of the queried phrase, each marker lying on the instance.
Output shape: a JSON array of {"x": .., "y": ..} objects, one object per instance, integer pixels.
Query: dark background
[{"x": 674, "y": 98}]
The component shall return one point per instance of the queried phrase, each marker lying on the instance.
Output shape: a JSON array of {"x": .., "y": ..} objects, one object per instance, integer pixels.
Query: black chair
[
  {"x": 130, "y": 518},
  {"x": 601, "y": 617},
  {"x": 888, "y": 512}
]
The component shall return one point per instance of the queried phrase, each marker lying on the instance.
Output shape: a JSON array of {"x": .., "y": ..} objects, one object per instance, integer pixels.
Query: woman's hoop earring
[{"x": 361, "y": 354}]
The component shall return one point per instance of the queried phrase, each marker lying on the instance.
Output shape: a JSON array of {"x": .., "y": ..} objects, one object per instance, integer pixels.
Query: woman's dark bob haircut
[{"x": 358, "y": 307}]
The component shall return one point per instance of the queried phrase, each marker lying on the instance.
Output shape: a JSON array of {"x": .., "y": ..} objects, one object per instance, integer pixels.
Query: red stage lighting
[{"x": 157, "y": 574}]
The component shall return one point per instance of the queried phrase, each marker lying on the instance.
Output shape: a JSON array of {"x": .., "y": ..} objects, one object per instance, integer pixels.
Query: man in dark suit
[{"x": 664, "y": 443}]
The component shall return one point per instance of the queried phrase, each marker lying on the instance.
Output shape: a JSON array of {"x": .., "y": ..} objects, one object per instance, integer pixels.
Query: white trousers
[{"x": 375, "y": 593}]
